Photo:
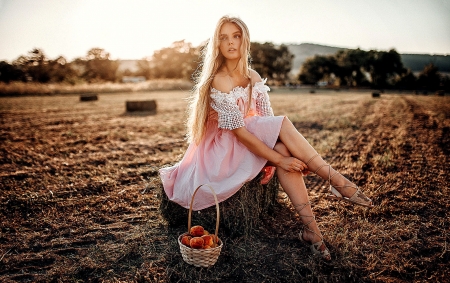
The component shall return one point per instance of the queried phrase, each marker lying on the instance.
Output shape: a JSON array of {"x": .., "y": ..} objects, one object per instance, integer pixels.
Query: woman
[{"x": 233, "y": 135}]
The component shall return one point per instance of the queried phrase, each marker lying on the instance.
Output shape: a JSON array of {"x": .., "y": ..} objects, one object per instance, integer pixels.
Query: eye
[
  {"x": 222, "y": 38},
  {"x": 237, "y": 36}
]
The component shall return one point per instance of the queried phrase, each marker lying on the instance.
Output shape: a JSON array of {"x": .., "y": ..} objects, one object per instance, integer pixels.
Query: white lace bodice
[{"x": 231, "y": 106}]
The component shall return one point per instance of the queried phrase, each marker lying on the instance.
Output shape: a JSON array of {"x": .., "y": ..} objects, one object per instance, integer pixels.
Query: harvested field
[{"x": 79, "y": 192}]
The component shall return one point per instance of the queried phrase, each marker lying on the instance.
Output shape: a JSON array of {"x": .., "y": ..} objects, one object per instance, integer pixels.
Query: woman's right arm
[{"x": 255, "y": 145}]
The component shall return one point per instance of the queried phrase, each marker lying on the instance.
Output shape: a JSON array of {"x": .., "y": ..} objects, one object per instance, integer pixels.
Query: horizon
[{"x": 135, "y": 29}]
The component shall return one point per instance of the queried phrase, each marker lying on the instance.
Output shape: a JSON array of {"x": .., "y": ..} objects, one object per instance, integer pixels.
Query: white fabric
[{"x": 230, "y": 106}]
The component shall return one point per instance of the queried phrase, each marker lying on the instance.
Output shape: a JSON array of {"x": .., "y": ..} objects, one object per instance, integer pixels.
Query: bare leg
[
  {"x": 294, "y": 186},
  {"x": 300, "y": 148}
]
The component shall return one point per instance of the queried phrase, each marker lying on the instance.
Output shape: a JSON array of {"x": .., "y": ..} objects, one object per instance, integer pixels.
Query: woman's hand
[{"x": 292, "y": 164}]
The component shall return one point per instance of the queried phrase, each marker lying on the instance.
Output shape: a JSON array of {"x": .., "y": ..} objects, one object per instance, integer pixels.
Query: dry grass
[
  {"x": 79, "y": 192},
  {"x": 20, "y": 88}
]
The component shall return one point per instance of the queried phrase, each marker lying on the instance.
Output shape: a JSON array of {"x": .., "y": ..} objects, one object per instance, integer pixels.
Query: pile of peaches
[{"x": 198, "y": 238}]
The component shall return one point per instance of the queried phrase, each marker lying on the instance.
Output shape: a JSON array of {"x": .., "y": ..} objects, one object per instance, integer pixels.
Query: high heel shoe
[
  {"x": 357, "y": 198},
  {"x": 317, "y": 248}
]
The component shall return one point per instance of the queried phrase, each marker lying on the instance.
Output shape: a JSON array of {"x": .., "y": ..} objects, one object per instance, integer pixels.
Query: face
[{"x": 230, "y": 38}]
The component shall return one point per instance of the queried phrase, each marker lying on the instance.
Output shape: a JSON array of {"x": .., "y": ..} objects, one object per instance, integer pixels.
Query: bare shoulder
[
  {"x": 221, "y": 82},
  {"x": 255, "y": 77}
]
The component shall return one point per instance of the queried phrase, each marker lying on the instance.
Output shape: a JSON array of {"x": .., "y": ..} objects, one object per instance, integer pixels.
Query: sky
[{"x": 134, "y": 29}]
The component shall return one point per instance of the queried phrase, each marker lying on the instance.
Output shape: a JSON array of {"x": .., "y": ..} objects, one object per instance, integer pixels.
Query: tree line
[
  {"x": 181, "y": 60},
  {"x": 178, "y": 61},
  {"x": 376, "y": 69}
]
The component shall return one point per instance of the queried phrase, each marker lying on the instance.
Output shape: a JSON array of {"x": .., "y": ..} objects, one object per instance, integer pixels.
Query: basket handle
[{"x": 217, "y": 209}]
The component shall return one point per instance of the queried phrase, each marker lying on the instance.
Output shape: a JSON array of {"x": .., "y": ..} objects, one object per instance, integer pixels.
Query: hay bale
[
  {"x": 375, "y": 94},
  {"x": 143, "y": 106},
  {"x": 240, "y": 215},
  {"x": 440, "y": 92},
  {"x": 89, "y": 97},
  {"x": 312, "y": 91}
]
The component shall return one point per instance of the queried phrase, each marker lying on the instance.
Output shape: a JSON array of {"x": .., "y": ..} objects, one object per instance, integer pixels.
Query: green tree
[
  {"x": 445, "y": 83},
  {"x": 350, "y": 67},
  {"x": 429, "y": 78},
  {"x": 60, "y": 70},
  {"x": 270, "y": 61},
  {"x": 384, "y": 67},
  {"x": 34, "y": 66},
  {"x": 355, "y": 68},
  {"x": 144, "y": 68},
  {"x": 317, "y": 68},
  {"x": 180, "y": 60},
  {"x": 96, "y": 66},
  {"x": 9, "y": 73},
  {"x": 406, "y": 81}
]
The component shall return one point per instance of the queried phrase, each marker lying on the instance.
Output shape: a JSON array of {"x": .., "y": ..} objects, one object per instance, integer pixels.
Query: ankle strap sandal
[
  {"x": 357, "y": 198},
  {"x": 317, "y": 248}
]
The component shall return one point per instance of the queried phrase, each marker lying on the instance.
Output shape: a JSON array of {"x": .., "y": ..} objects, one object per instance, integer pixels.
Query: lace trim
[
  {"x": 229, "y": 115},
  {"x": 263, "y": 107},
  {"x": 225, "y": 104},
  {"x": 241, "y": 92}
]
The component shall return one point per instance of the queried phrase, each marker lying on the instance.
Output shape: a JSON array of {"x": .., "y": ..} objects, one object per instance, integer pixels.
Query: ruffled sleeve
[
  {"x": 263, "y": 107},
  {"x": 229, "y": 116}
]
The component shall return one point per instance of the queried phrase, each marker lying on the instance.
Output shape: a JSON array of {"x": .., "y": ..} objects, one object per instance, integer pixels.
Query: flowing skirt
[{"x": 219, "y": 160}]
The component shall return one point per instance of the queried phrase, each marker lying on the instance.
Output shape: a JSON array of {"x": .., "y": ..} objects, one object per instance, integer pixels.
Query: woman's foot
[
  {"x": 316, "y": 244},
  {"x": 358, "y": 197},
  {"x": 340, "y": 187},
  {"x": 310, "y": 233}
]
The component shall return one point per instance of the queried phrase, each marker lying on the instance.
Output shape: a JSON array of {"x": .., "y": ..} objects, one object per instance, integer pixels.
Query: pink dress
[{"x": 220, "y": 160}]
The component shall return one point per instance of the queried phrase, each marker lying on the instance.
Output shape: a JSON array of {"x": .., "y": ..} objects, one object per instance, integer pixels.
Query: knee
[
  {"x": 287, "y": 122},
  {"x": 287, "y": 126},
  {"x": 282, "y": 149}
]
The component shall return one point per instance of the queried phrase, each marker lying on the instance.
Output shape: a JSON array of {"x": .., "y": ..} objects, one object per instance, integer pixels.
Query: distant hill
[
  {"x": 414, "y": 62},
  {"x": 305, "y": 50}
]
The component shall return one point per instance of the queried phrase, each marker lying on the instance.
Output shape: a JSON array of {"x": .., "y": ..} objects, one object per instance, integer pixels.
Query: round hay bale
[
  {"x": 241, "y": 214},
  {"x": 143, "y": 106},
  {"x": 312, "y": 91},
  {"x": 375, "y": 94},
  {"x": 89, "y": 97}
]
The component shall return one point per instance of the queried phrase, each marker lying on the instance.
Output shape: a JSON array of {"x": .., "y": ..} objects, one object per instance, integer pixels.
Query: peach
[
  {"x": 208, "y": 240},
  {"x": 205, "y": 232},
  {"x": 213, "y": 237},
  {"x": 197, "y": 231},
  {"x": 196, "y": 243},
  {"x": 206, "y": 247},
  {"x": 185, "y": 240}
]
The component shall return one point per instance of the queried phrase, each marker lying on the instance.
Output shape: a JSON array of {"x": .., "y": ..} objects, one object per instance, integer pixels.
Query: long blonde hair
[{"x": 200, "y": 100}]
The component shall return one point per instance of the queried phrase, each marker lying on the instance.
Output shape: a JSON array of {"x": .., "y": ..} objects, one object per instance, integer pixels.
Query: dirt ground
[{"x": 79, "y": 192}]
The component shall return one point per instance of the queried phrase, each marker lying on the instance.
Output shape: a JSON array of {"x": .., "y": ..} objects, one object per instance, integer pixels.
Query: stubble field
[{"x": 79, "y": 192}]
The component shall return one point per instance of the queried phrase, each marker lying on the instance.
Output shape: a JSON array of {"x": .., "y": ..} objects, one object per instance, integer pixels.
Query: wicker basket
[{"x": 202, "y": 257}]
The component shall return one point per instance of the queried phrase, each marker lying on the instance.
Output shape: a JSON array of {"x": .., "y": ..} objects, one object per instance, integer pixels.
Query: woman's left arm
[{"x": 260, "y": 90}]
